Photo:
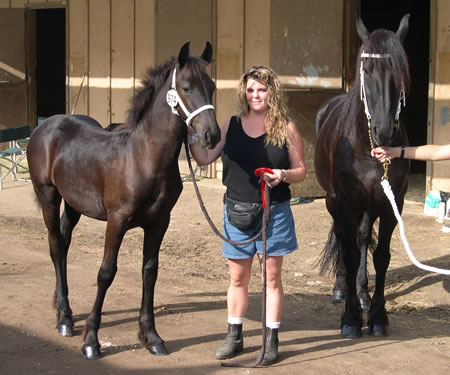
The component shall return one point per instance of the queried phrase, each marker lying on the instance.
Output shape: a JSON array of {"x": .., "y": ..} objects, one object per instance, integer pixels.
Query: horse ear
[
  {"x": 207, "y": 53},
  {"x": 361, "y": 29},
  {"x": 184, "y": 54},
  {"x": 403, "y": 28}
]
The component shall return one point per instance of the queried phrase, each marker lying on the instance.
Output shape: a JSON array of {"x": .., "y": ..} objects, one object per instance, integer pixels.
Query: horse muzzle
[
  {"x": 383, "y": 133},
  {"x": 209, "y": 137}
]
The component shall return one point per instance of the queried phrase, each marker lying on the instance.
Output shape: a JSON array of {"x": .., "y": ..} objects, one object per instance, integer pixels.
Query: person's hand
[
  {"x": 380, "y": 154},
  {"x": 275, "y": 178}
]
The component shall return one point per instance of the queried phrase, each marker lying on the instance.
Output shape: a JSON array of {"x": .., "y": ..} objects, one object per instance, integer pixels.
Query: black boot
[
  {"x": 233, "y": 344},
  {"x": 271, "y": 353}
]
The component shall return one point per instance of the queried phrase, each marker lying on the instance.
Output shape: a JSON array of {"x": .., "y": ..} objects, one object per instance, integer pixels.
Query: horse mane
[
  {"x": 380, "y": 41},
  {"x": 153, "y": 81}
]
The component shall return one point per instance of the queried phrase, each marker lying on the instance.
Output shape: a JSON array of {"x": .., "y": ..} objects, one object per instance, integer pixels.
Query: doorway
[
  {"x": 50, "y": 62},
  {"x": 387, "y": 14}
]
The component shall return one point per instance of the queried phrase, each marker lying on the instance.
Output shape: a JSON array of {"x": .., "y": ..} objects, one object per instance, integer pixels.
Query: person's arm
[
  {"x": 203, "y": 156},
  {"x": 425, "y": 152},
  {"x": 297, "y": 168}
]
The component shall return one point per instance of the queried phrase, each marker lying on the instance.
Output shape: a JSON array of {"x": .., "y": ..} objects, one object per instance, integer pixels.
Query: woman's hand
[
  {"x": 385, "y": 153},
  {"x": 275, "y": 178},
  {"x": 380, "y": 153}
]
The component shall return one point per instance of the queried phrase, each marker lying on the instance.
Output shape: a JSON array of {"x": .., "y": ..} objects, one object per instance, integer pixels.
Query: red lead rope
[{"x": 259, "y": 172}]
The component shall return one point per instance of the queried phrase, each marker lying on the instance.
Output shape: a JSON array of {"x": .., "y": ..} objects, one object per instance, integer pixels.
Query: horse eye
[{"x": 185, "y": 89}]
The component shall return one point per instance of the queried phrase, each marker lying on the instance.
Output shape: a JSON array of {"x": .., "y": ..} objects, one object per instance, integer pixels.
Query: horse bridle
[
  {"x": 173, "y": 100},
  {"x": 402, "y": 98}
]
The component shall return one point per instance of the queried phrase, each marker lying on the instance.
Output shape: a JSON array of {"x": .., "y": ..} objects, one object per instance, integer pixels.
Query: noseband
[
  {"x": 173, "y": 99},
  {"x": 402, "y": 98}
]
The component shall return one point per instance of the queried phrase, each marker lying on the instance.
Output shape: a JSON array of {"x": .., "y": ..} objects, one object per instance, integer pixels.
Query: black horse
[
  {"x": 129, "y": 178},
  {"x": 347, "y": 128}
]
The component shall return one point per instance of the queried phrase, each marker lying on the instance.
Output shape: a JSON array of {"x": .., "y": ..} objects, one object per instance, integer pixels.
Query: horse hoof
[
  {"x": 378, "y": 330},
  {"x": 91, "y": 352},
  {"x": 65, "y": 330},
  {"x": 338, "y": 296},
  {"x": 351, "y": 332},
  {"x": 158, "y": 349}
]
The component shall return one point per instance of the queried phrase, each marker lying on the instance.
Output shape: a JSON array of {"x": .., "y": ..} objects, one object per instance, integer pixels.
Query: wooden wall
[
  {"x": 116, "y": 41},
  {"x": 438, "y": 173},
  {"x": 13, "y": 83},
  {"x": 110, "y": 44}
]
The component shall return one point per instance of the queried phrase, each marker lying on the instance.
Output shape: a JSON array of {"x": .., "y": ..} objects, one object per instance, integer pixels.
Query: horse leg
[
  {"x": 50, "y": 201},
  {"x": 344, "y": 241},
  {"x": 364, "y": 237},
  {"x": 334, "y": 251},
  {"x": 351, "y": 320},
  {"x": 378, "y": 320},
  {"x": 147, "y": 332},
  {"x": 362, "y": 290},
  {"x": 115, "y": 230},
  {"x": 340, "y": 285},
  {"x": 68, "y": 221}
]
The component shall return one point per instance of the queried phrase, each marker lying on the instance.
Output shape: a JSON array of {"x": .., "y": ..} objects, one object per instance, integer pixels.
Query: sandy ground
[{"x": 191, "y": 298}]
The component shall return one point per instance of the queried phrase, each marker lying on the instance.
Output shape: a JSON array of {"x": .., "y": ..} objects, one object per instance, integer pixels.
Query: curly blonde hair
[{"x": 277, "y": 118}]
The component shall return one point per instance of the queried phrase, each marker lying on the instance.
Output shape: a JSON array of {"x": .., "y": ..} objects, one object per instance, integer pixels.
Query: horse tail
[
  {"x": 329, "y": 255},
  {"x": 37, "y": 202}
]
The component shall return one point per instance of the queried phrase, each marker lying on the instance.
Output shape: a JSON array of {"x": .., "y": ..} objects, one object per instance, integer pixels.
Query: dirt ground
[{"x": 191, "y": 298}]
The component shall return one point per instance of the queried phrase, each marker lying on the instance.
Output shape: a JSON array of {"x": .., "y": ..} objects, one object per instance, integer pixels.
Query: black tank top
[{"x": 241, "y": 155}]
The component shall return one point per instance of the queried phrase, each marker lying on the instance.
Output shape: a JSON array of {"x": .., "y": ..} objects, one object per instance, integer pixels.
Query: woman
[
  {"x": 425, "y": 152},
  {"x": 261, "y": 136}
]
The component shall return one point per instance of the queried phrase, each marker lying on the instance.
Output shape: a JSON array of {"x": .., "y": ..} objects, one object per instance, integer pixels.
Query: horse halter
[
  {"x": 173, "y": 99},
  {"x": 402, "y": 98}
]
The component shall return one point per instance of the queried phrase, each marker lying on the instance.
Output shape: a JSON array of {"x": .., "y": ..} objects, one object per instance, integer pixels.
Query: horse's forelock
[
  {"x": 391, "y": 44},
  {"x": 195, "y": 65},
  {"x": 387, "y": 42}
]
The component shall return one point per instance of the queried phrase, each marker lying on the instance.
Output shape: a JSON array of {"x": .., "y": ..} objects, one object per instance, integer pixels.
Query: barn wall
[
  {"x": 110, "y": 44},
  {"x": 13, "y": 88},
  {"x": 255, "y": 32},
  {"x": 438, "y": 177},
  {"x": 229, "y": 54},
  {"x": 105, "y": 63},
  {"x": 230, "y": 59},
  {"x": 116, "y": 41}
]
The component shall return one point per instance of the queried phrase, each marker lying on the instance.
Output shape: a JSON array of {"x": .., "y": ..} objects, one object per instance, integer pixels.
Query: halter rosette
[
  {"x": 173, "y": 99},
  {"x": 259, "y": 172}
]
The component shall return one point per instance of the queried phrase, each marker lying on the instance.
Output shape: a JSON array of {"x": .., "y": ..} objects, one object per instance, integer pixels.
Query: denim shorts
[{"x": 281, "y": 238}]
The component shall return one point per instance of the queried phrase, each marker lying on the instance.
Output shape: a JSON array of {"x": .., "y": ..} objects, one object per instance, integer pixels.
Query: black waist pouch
[{"x": 243, "y": 215}]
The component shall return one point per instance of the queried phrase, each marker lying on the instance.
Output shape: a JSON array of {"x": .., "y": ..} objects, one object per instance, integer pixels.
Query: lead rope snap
[{"x": 386, "y": 169}]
